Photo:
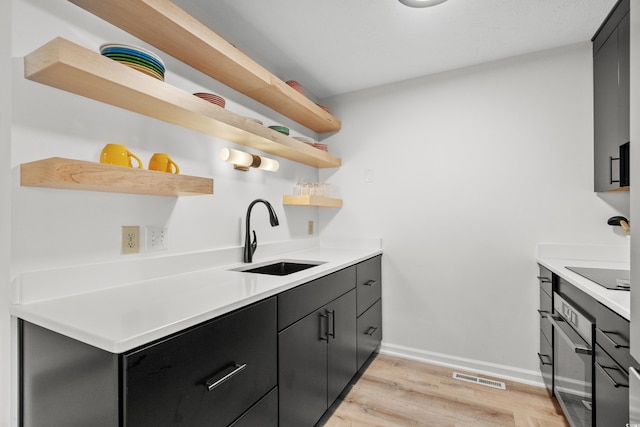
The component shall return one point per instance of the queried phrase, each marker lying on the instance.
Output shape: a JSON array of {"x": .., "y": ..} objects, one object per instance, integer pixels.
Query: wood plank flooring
[{"x": 400, "y": 392}]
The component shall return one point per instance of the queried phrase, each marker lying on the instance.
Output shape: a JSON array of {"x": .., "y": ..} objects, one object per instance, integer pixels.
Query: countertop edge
[
  {"x": 43, "y": 313},
  {"x": 617, "y": 301}
]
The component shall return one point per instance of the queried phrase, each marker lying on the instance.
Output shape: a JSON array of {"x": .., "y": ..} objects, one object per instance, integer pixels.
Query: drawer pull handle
[
  {"x": 370, "y": 282},
  {"x": 549, "y": 362},
  {"x": 543, "y": 313},
  {"x": 213, "y": 382},
  {"x": 371, "y": 330},
  {"x": 603, "y": 369},
  {"x": 615, "y": 344},
  {"x": 544, "y": 279}
]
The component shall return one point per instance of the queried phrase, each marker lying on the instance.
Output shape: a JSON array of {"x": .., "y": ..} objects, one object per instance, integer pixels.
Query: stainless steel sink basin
[{"x": 280, "y": 268}]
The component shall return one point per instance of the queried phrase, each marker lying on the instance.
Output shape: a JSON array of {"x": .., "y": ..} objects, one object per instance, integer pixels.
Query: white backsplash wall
[
  {"x": 7, "y": 376},
  {"x": 54, "y": 228},
  {"x": 471, "y": 169}
]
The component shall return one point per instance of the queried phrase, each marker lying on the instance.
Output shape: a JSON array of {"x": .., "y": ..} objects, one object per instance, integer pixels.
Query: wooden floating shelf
[
  {"x": 318, "y": 201},
  {"x": 57, "y": 172},
  {"x": 73, "y": 68},
  {"x": 164, "y": 25}
]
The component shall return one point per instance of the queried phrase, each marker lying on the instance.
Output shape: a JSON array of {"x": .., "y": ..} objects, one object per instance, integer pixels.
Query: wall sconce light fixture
[
  {"x": 421, "y": 3},
  {"x": 243, "y": 161}
]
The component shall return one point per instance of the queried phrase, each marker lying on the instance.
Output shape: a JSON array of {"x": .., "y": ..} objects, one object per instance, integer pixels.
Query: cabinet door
[
  {"x": 170, "y": 383},
  {"x": 342, "y": 344},
  {"x": 65, "y": 382},
  {"x": 607, "y": 138},
  {"x": 624, "y": 87},
  {"x": 302, "y": 375}
]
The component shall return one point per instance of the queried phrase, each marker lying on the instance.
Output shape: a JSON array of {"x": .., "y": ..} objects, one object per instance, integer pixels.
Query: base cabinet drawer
[
  {"x": 369, "y": 283},
  {"x": 263, "y": 414},
  {"x": 206, "y": 376},
  {"x": 611, "y": 391},
  {"x": 369, "y": 333},
  {"x": 546, "y": 361}
]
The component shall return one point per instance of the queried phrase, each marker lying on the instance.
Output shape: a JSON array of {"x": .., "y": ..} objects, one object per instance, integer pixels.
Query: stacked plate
[
  {"x": 281, "y": 129},
  {"x": 323, "y": 147},
  {"x": 135, "y": 57},
  {"x": 214, "y": 99},
  {"x": 304, "y": 139}
]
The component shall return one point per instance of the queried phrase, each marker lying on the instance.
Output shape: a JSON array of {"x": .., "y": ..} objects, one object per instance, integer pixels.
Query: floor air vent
[{"x": 478, "y": 380}]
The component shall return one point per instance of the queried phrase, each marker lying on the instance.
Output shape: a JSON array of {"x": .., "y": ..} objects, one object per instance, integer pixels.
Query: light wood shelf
[
  {"x": 73, "y": 68},
  {"x": 57, "y": 172},
  {"x": 164, "y": 25},
  {"x": 318, "y": 201}
]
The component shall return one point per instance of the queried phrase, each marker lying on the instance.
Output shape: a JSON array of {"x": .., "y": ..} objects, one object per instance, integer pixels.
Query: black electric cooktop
[{"x": 610, "y": 279}]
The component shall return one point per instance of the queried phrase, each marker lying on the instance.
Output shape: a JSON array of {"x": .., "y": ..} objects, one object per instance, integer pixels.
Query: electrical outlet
[
  {"x": 157, "y": 238},
  {"x": 310, "y": 227},
  {"x": 130, "y": 239}
]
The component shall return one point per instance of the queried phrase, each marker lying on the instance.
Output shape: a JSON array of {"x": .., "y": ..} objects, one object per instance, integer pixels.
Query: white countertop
[
  {"x": 120, "y": 318},
  {"x": 618, "y": 301}
]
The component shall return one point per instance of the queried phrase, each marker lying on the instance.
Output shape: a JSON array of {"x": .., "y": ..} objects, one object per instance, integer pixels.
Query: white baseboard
[{"x": 508, "y": 373}]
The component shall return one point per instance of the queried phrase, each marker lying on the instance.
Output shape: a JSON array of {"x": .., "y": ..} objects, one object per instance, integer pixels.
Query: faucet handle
[{"x": 254, "y": 244}]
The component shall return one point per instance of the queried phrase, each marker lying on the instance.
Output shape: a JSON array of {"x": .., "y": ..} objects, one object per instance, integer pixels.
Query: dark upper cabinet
[{"x": 611, "y": 99}]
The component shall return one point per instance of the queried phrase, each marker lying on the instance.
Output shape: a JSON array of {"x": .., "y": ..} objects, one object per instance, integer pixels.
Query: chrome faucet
[{"x": 249, "y": 246}]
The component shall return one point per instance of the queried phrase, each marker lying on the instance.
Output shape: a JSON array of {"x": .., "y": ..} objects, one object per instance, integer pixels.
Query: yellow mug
[
  {"x": 116, "y": 154},
  {"x": 163, "y": 163}
]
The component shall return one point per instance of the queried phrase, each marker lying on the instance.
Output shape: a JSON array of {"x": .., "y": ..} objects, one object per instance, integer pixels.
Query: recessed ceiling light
[{"x": 421, "y": 3}]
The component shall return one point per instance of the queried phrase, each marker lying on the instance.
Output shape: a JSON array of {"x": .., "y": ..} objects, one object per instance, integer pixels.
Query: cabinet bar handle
[
  {"x": 544, "y": 279},
  {"x": 577, "y": 347},
  {"x": 543, "y": 313},
  {"x": 332, "y": 334},
  {"x": 324, "y": 337},
  {"x": 603, "y": 369},
  {"x": 540, "y": 356},
  {"x": 615, "y": 344},
  {"x": 213, "y": 382},
  {"x": 611, "y": 159},
  {"x": 370, "y": 282},
  {"x": 371, "y": 330}
]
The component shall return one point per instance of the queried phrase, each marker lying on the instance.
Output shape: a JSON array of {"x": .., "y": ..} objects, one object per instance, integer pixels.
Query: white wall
[
  {"x": 472, "y": 169},
  {"x": 5, "y": 210},
  {"x": 54, "y": 228}
]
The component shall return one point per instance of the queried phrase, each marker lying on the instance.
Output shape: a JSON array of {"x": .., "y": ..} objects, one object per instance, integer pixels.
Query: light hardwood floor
[{"x": 400, "y": 392}]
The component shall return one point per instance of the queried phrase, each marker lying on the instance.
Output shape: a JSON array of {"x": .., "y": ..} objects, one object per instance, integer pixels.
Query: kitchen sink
[{"x": 280, "y": 268}]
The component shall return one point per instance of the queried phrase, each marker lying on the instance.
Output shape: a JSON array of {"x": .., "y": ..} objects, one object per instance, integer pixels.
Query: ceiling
[{"x": 338, "y": 46}]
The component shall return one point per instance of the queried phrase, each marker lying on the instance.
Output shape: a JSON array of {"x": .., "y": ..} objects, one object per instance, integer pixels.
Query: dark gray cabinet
[
  {"x": 182, "y": 380},
  {"x": 282, "y": 361},
  {"x": 64, "y": 382},
  {"x": 205, "y": 376},
  {"x": 369, "y": 323},
  {"x": 317, "y": 353},
  {"x": 612, "y": 362},
  {"x": 611, "y": 99},
  {"x": 545, "y": 353}
]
